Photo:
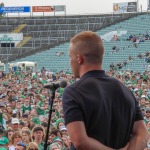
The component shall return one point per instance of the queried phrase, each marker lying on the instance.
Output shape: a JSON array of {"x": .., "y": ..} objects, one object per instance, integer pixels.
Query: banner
[
  {"x": 132, "y": 7},
  {"x": 120, "y": 7},
  {"x": 10, "y": 39},
  {"x": 5, "y": 37},
  {"x": 148, "y": 4},
  {"x": 42, "y": 9},
  {"x": 19, "y": 9},
  {"x": 124, "y": 7},
  {"x": 59, "y": 8}
]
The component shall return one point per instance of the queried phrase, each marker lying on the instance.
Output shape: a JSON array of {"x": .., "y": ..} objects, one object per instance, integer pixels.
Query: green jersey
[
  {"x": 24, "y": 108},
  {"x": 40, "y": 111}
]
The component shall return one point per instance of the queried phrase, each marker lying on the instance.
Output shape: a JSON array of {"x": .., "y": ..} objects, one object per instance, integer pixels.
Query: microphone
[{"x": 55, "y": 85}]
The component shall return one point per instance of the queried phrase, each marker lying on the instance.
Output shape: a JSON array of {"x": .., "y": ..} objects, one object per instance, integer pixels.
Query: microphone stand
[{"x": 49, "y": 119}]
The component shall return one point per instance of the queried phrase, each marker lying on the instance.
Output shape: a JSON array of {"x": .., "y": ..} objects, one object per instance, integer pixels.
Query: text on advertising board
[
  {"x": 14, "y": 9},
  {"x": 41, "y": 9}
]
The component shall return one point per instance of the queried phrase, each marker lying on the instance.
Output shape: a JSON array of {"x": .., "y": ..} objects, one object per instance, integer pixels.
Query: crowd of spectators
[
  {"x": 136, "y": 39},
  {"x": 120, "y": 65},
  {"x": 24, "y": 107},
  {"x": 141, "y": 37},
  {"x": 145, "y": 55}
]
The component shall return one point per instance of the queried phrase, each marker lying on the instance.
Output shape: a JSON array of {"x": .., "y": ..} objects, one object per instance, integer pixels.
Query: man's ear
[{"x": 80, "y": 59}]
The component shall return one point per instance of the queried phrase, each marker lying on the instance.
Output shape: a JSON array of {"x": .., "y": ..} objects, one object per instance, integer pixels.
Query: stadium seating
[
  {"x": 137, "y": 25},
  {"x": 41, "y": 33}
]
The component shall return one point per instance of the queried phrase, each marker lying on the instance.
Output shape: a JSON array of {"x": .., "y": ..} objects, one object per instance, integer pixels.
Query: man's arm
[
  {"x": 81, "y": 141},
  {"x": 140, "y": 136}
]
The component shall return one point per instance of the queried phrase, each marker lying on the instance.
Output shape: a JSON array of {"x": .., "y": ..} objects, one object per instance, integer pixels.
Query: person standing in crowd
[
  {"x": 26, "y": 137},
  {"x": 15, "y": 124},
  {"x": 3, "y": 139},
  {"x": 9, "y": 134},
  {"x": 38, "y": 135},
  {"x": 100, "y": 112},
  {"x": 16, "y": 138},
  {"x": 26, "y": 106}
]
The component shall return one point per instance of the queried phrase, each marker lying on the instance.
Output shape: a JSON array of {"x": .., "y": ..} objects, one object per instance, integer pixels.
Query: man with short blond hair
[{"x": 100, "y": 112}]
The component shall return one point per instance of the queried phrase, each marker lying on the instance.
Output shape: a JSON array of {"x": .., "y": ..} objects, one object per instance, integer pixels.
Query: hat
[
  {"x": 3, "y": 140},
  {"x": 3, "y": 96},
  {"x": 58, "y": 121},
  {"x": 135, "y": 90},
  {"x": 3, "y": 148},
  {"x": 147, "y": 109},
  {"x": 143, "y": 96},
  {"x": 36, "y": 120},
  {"x": 15, "y": 120},
  {"x": 21, "y": 144},
  {"x": 54, "y": 144},
  {"x": 22, "y": 96},
  {"x": 128, "y": 85},
  {"x": 56, "y": 139},
  {"x": 14, "y": 99},
  {"x": 63, "y": 128}
]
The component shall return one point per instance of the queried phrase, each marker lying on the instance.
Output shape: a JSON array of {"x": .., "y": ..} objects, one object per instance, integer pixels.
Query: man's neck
[
  {"x": 38, "y": 141},
  {"x": 26, "y": 105},
  {"x": 87, "y": 68}
]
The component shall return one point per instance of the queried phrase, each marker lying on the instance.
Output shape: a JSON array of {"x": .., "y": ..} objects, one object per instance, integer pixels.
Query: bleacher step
[
  {"x": 25, "y": 40},
  {"x": 19, "y": 28}
]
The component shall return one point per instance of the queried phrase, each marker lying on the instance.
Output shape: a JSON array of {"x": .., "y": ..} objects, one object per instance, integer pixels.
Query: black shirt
[{"x": 106, "y": 106}]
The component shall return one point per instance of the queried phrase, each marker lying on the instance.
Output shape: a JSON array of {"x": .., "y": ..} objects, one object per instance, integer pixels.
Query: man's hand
[
  {"x": 140, "y": 136},
  {"x": 81, "y": 141}
]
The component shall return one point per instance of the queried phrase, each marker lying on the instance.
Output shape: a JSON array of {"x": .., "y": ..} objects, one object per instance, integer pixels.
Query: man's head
[
  {"x": 15, "y": 123},
  {"x": 86, "y": 51},
  {"x": 26, "y": 102},
  {"x": 147, "y": 113},
  {"x": 142, "y": 100}
]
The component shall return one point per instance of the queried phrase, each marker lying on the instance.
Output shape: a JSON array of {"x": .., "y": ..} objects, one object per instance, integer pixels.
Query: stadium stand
[
  {"x": 57, "y": 58},
  {"x": 41, "y": 33},
  {"x": 47, "y": 33},
  {"x": 136, "y": 26},
  {"x": 25, "y": 103}
]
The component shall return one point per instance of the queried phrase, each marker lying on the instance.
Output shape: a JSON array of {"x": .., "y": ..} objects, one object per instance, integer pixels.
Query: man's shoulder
[{"x": 90, "y": 80}]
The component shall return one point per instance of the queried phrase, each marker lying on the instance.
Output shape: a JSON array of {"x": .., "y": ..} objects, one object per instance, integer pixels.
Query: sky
[{"x": 76, "y": 6}]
